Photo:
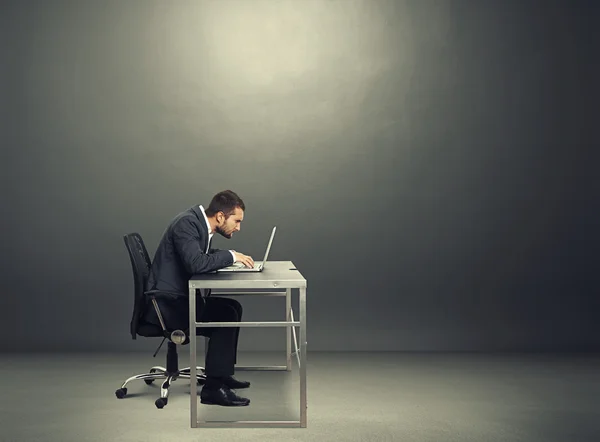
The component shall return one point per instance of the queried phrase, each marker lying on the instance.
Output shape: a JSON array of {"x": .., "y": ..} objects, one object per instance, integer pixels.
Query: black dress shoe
[
  {"x": 223, "y": 396},
  {"x": 233, "y": 383}
]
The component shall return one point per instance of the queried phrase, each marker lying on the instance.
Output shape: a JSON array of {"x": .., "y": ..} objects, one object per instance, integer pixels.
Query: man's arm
[
  {"x": 187, "y": 244},
  {"x": 211, "y": 251}
]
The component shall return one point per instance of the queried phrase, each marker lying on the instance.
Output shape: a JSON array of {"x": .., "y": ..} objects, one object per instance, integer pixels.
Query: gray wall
[{"x": 427, "y": 163}]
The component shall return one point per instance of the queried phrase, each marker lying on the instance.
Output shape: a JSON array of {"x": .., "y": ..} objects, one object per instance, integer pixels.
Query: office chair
[{"x": 141, "y": 264}]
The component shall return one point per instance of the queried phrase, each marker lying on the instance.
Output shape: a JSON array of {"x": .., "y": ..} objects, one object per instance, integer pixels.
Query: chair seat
[{"x": 148, "y": 330}]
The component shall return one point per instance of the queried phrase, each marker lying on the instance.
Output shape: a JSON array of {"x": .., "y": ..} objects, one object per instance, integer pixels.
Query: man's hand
[{"x": 244, "y": 259}]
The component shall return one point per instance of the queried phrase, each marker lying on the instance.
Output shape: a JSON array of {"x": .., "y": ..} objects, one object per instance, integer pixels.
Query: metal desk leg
[
  {"x": 193, "y": 382},
  {"x": 303, "y": 344},
  {"x": 297, "y": 352},
  {"x": 288, "y": 331}
]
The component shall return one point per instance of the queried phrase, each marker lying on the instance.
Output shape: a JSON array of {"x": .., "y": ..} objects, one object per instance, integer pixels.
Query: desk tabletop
[{"x": 276, "y": 274}]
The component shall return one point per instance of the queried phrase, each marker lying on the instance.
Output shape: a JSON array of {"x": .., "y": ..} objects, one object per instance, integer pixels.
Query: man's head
[{"x": 225, "y": 213}]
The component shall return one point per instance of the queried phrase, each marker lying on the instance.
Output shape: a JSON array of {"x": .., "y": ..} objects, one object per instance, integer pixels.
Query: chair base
[
  {"x": 169, "y": 374},
  {"x": 168, "y": 378}
]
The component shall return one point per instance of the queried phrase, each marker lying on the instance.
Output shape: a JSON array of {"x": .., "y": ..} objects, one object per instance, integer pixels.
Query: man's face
[{"x": 227, "y": 226}]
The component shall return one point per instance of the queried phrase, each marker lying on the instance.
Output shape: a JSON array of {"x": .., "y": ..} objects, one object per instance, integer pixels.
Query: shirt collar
[{"x": 210, "y": 233}]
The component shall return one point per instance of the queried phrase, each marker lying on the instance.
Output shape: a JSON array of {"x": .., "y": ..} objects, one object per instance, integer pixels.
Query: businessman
[{"x": 183, "y": 251}]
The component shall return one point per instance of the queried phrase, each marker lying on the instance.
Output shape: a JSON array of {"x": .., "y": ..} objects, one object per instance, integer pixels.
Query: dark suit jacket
[{"x": 181, "y": 253}]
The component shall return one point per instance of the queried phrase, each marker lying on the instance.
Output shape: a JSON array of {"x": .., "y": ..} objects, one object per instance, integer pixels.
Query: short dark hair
[{"x": 226, "y": 201}]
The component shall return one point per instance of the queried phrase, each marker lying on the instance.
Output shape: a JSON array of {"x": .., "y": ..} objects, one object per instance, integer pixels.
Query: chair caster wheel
[
  {"x": 161, "y": 402},
  {"x": 121, "y": 392},
  {"x": 150, "y": 381}
]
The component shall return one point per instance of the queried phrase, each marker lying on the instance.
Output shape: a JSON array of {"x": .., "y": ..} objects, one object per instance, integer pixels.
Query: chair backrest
[{"x": 140, "y": 265}]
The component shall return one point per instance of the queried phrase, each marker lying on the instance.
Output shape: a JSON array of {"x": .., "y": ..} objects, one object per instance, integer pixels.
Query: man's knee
[
  {"x": 233, "y": 313},
  {"x": 234, "y": 304},
  {"x": 237, "y": 306}
]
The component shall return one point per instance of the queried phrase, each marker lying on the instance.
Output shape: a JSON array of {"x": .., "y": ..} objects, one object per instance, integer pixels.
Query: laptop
[{"x": 258, "y": 265}]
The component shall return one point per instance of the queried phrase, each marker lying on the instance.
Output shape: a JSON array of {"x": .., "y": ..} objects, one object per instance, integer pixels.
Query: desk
[{"x": 277, "y": 275}]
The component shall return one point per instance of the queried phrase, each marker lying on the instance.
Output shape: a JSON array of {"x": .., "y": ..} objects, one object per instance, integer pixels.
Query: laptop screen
[{"x": 269, "y": 245}]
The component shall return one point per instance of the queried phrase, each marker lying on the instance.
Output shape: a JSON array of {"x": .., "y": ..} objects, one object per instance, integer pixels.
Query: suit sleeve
[
  {"x": 211, "y": 251},
  {"x": 186, "y": 240}
]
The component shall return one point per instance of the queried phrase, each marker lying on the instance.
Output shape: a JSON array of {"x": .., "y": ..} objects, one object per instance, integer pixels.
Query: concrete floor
[{"x": 351, "y": 397}]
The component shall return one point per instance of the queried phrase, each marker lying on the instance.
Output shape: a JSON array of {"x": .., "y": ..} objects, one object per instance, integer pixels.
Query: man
[{"x": 183, "y": 251}]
